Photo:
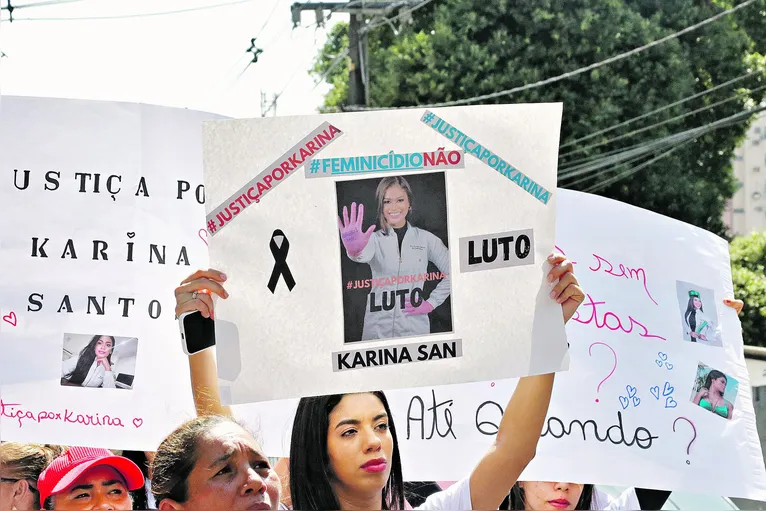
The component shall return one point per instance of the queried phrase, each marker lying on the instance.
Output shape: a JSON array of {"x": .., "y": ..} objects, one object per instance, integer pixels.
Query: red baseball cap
[{"x": 65, "y": 470}]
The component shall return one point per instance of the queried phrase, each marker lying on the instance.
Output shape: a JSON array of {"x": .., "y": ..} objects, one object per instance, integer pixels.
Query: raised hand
[{"x": 351, "y": 234}]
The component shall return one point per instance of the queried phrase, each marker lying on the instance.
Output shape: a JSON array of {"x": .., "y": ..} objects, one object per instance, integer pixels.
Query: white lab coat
[
  {"x": 96, "y": 377},
  {"x": 707, "y": 330},
  {"x": 382, "y": 254}
]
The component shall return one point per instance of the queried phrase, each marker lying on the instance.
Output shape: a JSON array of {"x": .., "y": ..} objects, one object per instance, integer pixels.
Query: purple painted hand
[
  {"x": 351, "y": 234},
  {"x": 423, "y": 308}
]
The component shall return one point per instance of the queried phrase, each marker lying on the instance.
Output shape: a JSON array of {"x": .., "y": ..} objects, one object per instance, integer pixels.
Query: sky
[{"x": 192, "y": 60}]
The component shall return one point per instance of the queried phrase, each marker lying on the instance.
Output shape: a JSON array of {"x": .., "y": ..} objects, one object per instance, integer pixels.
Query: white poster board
[
  {"x": 634, "y": 372},
  {"x": 103, "y": 219},
  {"x": 327, "y": 308}
]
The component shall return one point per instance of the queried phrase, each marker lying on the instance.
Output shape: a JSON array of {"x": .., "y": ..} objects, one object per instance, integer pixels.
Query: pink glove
[
  {"x": 423, "y": 308},
  {"x": 351, "y": 234}
]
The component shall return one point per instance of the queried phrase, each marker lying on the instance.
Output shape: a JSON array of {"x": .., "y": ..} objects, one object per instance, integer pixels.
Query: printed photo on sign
[
  {"x": 98, "y": 361},
  {"x": 714, "y": 391},
  {"x": 698, "y": 314},
  {"x": 395, "y": 263}
]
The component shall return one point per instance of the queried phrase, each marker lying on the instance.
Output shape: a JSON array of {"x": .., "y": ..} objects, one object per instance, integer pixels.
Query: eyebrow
[
  {"x": 223, "y": 458},
  {"x": 111, "y": 482},
  {"x": 356, "y": 422}
]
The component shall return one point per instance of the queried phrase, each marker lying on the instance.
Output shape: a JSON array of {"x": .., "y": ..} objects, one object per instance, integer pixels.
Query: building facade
[{"x": 746, "y": 211}]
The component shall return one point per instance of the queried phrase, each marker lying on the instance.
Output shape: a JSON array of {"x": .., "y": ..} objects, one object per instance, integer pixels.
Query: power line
[
  {"x": 658, "y": 110},
  {"x": 388, "y": 20},
  {"x": 576, "y": 72},
  {"x": 657, "y": 124},
  {"x": 137, "y": 15},
  {"x": 38, "y": 4},
  {"x": 679, "y": 139}
]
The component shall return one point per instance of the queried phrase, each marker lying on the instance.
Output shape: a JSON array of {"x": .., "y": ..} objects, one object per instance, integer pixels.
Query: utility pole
[
  {"x": 359, "y": 78},
  {"x": 356, "y": 87}
]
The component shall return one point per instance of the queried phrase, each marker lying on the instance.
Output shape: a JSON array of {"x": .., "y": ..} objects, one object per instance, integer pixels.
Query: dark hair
[
  {"x": 310, "y": 471},
  {"x": 178, "y": 454},
  {"x": 85, "y": 360},
  {"x": 691, "y": 313},
  {"x": 515, "y": 499},
  {"x": 714, "y": 375},
  {"x": 140, "y": 500}
]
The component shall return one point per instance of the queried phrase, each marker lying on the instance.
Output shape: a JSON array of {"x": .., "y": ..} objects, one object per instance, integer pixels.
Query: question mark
[
  {"x": 598, "y": 389},
  {"x": 688, "y": 447}
]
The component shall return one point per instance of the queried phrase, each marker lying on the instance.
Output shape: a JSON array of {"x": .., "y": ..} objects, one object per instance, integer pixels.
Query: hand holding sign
[
  {"x": 423, "y": 308},
  {"x": 567, "y": 292},
  {"x": 194, "y": 293},
  {"x": 354, "y": 239}
]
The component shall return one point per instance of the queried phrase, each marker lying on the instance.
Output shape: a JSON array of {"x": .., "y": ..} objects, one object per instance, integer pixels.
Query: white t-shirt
[
  {"x": 455, "y": 498},
  {"x": 628, "y": 500}
]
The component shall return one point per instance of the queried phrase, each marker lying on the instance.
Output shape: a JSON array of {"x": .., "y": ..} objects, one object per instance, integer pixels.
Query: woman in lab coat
[
  {"x": 398, "y": 254},
  {"x": 93, "y": 366},
  {"x": 699, "y": 327}
]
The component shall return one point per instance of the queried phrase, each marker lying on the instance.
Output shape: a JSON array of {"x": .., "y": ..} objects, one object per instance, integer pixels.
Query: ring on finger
[{"x": 194, "y": 295}]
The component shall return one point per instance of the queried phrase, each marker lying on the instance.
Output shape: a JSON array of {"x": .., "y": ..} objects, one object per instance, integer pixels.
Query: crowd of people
[{"x": 344, "y": 450}]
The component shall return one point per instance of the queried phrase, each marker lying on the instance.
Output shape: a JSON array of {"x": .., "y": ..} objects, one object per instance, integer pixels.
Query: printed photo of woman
[
  {"x": 402, "y": 292},
  {"x": 714, "y": 391},
  {"x": 95, "y": 365},
  {"x": 699, "y": 326}
]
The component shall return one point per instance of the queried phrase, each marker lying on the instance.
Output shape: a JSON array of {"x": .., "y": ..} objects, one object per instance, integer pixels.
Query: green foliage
[
  {"x": 457, "y": 49},
  {"x": 748, "y": 261}
]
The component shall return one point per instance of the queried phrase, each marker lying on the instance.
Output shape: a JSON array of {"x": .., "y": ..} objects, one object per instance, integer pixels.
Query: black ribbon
[{"x": 280, "y": 262}]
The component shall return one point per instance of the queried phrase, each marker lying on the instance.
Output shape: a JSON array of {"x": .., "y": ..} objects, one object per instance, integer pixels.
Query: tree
[
  {"x": 457, "y": 49},
  {"x": 748, "y": 263}
]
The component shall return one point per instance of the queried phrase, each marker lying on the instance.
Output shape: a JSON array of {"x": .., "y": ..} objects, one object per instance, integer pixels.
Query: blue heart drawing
[
  {"x": 631, "y": 390},
  {"x": 668, "y": 389},
  {"x": 663, "y": 356},
  {"x": 669, "y": 366},
  {"x": 624, "y": 402},
  {"x": 655, "y": 392},
  {"x": 636, "y": 401},
  {"x": 670, "y": 402},
  {"x": 658, "y": 362}
]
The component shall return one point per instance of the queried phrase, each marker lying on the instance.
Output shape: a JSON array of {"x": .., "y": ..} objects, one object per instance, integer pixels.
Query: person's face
[
  {"x": 542, "y": 496},
  {"x": 103, "y": 347},
  {"x": 231, "y": 473},
  {"x": 359, "y": 443},
  {"x": 719, "y": 384},
  {"x": 101, "y": 487},
  {"x": 396, "y": 204},
  {"x": 697, "y": 302}
]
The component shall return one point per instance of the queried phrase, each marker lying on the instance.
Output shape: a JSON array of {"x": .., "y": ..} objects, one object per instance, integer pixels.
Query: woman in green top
[
  {"x": 698, "y": 326},
  {"x": 710, "y": 395}
]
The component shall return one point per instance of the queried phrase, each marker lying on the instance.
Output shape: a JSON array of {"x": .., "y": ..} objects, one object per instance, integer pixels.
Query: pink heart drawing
[
  {"x": 138, "y": 422},
  {"x": 201, "y": 231},
  {"x": 10, "y": 318}
]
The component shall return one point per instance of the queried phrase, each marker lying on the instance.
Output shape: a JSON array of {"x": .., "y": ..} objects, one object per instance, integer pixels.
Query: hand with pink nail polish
[{"x": 351, "y": 234}]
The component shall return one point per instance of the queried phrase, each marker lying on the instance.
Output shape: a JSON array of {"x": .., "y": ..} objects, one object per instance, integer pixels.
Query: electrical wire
[
  {"x": 137, "y": 15},
  {"x": 569, "y": 74},
  {"x": 40, "y": 4},
  {"x": 657, "y": 124},
  {"x": 388, "y": 20},
  {"x": 677, "y": 140},
  {"x": 658, "y": 110}
]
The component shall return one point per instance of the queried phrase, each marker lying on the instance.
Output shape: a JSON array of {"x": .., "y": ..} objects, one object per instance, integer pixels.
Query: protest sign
[
  {"x": 103, "y": 219},
  {"x": 360, "y": 246},
  {"x": 642, "y": 403}
]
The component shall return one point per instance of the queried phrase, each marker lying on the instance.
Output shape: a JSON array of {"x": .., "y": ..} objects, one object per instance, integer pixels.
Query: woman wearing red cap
[{"x": 87, "y": 478}]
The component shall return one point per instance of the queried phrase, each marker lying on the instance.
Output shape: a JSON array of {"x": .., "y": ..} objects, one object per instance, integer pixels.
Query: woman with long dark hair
[
  {"x": 710, "y": 395},
  {"x": 93, "y": 366},
  {"x": 344, "y": 449},
  {"x": 699, "y": 328}
]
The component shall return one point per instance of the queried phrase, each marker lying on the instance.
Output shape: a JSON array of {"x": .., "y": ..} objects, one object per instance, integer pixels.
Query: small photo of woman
[
  {"x": 698, "y": 314},
  {"x": 395, "y": 263},
  {"x": 714, "y": 391},
  {"x": 98, "y": 361}
]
